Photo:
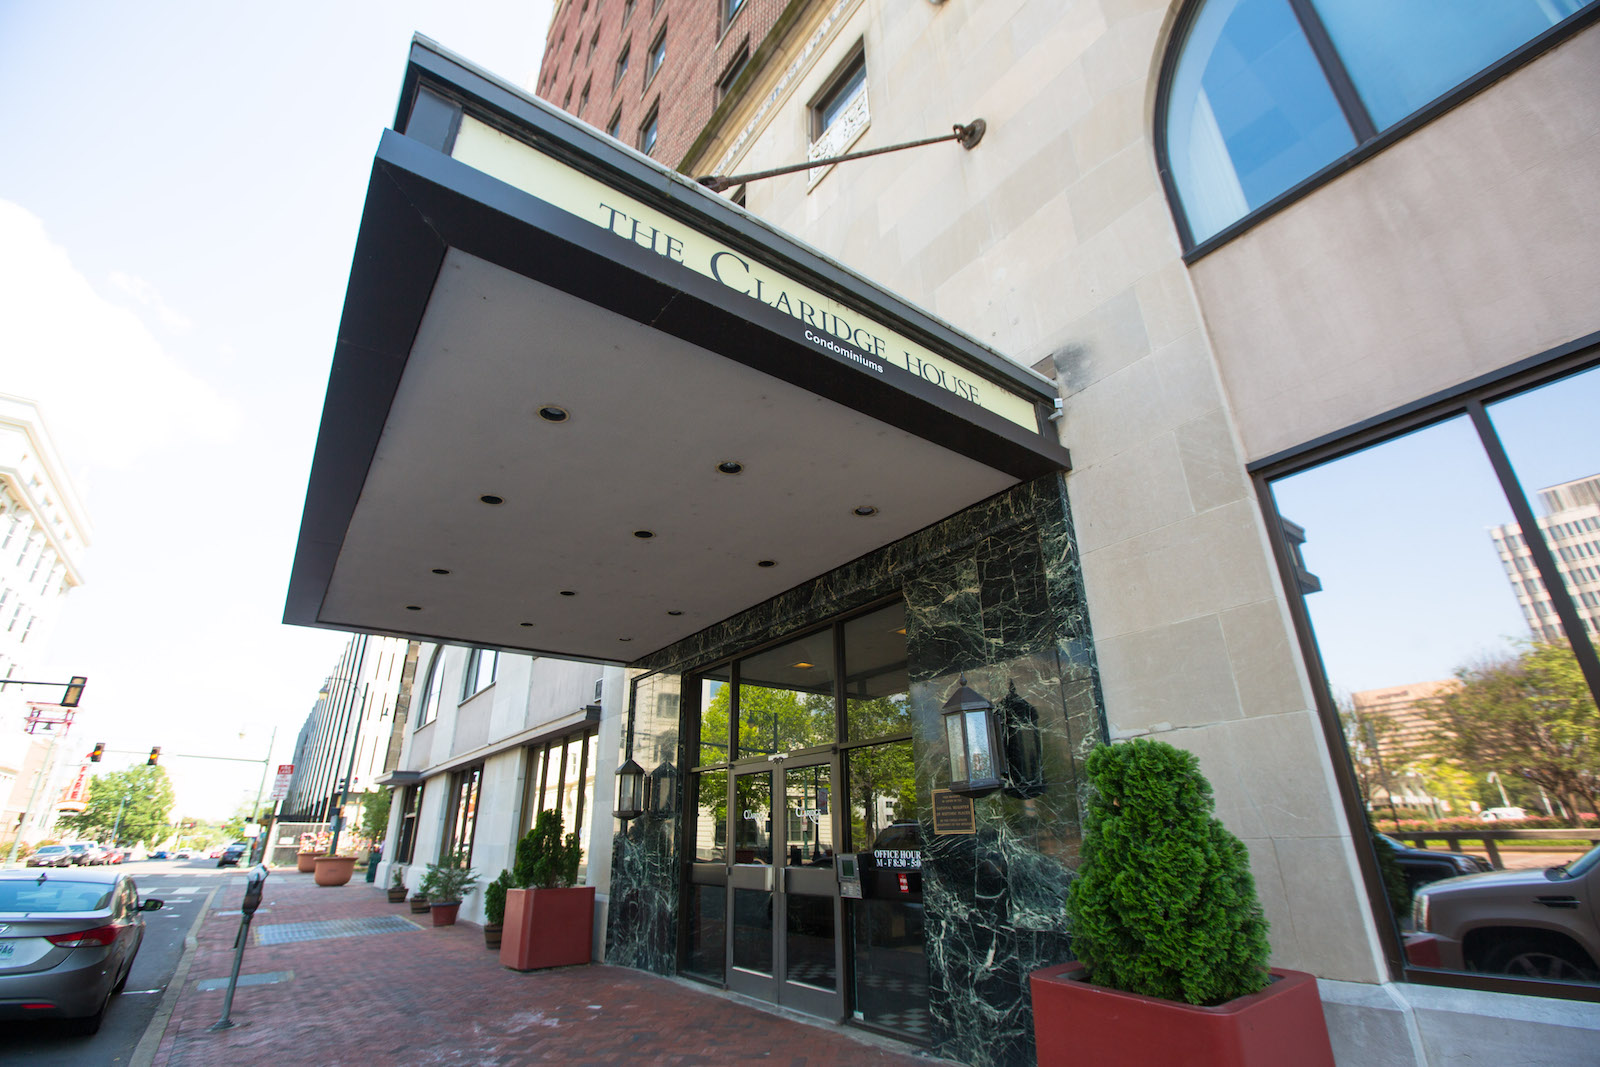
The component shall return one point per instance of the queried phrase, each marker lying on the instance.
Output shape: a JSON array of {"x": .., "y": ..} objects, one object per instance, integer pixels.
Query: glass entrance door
[{"x": 783, "y": 942}]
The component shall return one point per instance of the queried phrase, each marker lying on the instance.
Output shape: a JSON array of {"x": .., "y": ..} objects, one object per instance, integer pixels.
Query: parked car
[
  {"x": 53, "y": 856},
  {"x": 1423, "y": 866},
  {"x": 184, "y": 854},
  {"x": 114, "y": 855},
  {"x": 159, "y": 854},
  {"x": 67, "y": 943},
  {"x": 232, "y": 855},
  {"x": 83, "y": 853},
  {"x": 1527, "y": 923}
]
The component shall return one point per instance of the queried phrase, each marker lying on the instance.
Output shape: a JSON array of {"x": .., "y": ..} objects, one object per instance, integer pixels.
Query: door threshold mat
[{"x": 285, "y": 933}]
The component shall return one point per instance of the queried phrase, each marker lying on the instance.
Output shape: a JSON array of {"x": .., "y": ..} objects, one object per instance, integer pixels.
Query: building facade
[
  {"x": 1569, "y": 524},
  {"x": 44, "y": 534},
  {"x": 1309, "y": 298}
]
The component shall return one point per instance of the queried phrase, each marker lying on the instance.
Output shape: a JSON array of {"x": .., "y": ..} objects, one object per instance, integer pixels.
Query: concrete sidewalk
[{"x": 423, "y": 995}]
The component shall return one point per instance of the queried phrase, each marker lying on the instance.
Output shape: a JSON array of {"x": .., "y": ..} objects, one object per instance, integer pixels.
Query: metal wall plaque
[{"x": 952, "y": 813}]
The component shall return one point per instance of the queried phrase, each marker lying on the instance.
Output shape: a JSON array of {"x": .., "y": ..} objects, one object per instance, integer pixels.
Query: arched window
[
  {"x": 429, "y": 709},
  {"x": 1261, "y": 95}
]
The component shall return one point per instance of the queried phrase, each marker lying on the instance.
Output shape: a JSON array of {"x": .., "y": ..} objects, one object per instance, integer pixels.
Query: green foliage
[
  {"x": 1163, "y": 903},
  {"x": 546, "y": 860},
  {"x": 145, "y": 817},
  {"x": 398, "y": 881},
  {"x": 448, "y": 882},
  {"x": 375, "y": 814},
  {"x": 1394, "y": 879},
  {"x": 1529, "y": 716},
  {"x": 494, "y": 899}
]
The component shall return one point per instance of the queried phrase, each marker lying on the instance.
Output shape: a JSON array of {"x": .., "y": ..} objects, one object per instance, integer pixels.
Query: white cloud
[
  {"x": 111, "y": 393},
  {"x": 146, "y": 294}
]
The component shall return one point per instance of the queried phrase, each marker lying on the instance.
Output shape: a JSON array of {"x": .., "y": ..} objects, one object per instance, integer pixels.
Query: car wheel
[
  {"x": 90, "y": 1024},
  {"x": 1546, "y": 958}
]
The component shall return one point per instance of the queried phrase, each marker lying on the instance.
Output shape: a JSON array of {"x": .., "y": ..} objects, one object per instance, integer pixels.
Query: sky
[{"x": 180, "y": 187}]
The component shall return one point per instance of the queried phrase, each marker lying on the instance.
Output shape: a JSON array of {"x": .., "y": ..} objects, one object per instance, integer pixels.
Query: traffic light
[
  {"x": 155, "y": 756},
  {"x": 99, "y": 750},
  {"x": 74, "y": 691}
]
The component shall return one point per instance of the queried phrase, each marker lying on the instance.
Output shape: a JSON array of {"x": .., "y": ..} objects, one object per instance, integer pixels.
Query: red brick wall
[{"x": 699, "y": 50}]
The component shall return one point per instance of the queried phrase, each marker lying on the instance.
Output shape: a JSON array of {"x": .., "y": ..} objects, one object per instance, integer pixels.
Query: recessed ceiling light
[
  {"x": 730, "y": 466},
  {"x": 413, "y": 607},
  {"x": 866, "y": 511},
  {"x": 766, "y": 563},
  {"x": 644, "y": 535},
  {"x": 552, "y": 413},
  {"x": 490, "y": 498},
  {"x": 624, "y": 639},
  {"x": 524, "y": 624},
  {"x": 674, "y": 613},
  {"x": 569, "y": 592},
  {"x": 803, "y": 665},
  {"x": 441, "y": 570}
]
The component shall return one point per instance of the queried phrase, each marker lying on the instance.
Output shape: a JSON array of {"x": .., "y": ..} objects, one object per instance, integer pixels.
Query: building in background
[
  {"x": 1570, "y": 522},
  {"x": 351, "y": 729},
  {"x": 1246, "y": 261},
  {"x": 44, "y": 533}
]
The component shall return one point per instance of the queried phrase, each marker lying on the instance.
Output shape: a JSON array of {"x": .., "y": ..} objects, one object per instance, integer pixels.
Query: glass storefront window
[
  {"x": 752, "y": 818},
  {"x": 786, "y": 699},
  {"x": 709, "y": 797},
  {"x": 708, "y": 919},
  {"x": 808, "y": 801},
  {"x": 1469, "y": 717},
  {"x": 714, "y": 708},
  {"x": 876, "y": 685}
]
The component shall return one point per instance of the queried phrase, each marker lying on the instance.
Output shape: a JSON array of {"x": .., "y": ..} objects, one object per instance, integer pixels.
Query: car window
[
  {"x": 53, "y": 896},
  {"x": 1584, "y": 863},
  {"x": 52, "y": 849}
]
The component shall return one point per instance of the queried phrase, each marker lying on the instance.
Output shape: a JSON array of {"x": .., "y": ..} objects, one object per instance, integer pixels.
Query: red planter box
[
  {"x": 547, "y": 928},
  {"x": 1078, "y": 1023}
]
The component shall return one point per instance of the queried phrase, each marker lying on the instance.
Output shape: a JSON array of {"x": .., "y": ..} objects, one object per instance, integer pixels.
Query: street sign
[{"x": 280, "y": 784}]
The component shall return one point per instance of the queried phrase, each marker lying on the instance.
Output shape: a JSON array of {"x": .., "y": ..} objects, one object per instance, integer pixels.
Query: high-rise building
[{"x": 1570, "y": 524}]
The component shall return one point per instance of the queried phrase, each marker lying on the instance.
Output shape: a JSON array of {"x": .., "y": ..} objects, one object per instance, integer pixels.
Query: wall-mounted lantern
[
  {"x": 975, "y": 751},
  {"x": 663, "y": 790},
  {"x": 1024, "y": 750},
  {"x": 630, "y": 791}
]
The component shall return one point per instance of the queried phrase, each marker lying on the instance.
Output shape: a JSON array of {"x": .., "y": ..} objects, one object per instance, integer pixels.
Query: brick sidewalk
[{"x": 437, "y": 996}]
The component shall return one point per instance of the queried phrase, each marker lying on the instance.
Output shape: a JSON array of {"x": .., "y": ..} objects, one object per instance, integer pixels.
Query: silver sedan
[{"x": 67, "y": 942}]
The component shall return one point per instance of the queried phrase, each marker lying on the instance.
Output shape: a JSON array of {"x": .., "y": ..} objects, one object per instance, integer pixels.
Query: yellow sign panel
[{"x": 825, "y": 322}]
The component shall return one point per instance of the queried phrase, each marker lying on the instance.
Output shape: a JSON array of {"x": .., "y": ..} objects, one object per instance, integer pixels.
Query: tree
[
  {"x": 375, "y": 814},
  {"x": 144, "y": 815},
  {"x": 1530, "y": 716}
]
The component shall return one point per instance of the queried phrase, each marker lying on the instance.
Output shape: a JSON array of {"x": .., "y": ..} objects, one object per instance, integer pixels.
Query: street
[{"x": 184, "y": 886}]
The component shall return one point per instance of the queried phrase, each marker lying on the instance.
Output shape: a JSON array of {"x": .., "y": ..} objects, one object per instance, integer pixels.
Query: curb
[{"x": 144, "y": 1053}]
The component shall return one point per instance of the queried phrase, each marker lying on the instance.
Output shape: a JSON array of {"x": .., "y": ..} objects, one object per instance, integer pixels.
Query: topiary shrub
[
  {"x": 1163, "y": 903},
  {"x": 545, "y": 860},
  {"x": 494, "y": 899}
]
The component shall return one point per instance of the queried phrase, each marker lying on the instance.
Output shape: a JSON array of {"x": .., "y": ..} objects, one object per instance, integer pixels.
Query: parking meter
[{"x": 253, "y": 886}]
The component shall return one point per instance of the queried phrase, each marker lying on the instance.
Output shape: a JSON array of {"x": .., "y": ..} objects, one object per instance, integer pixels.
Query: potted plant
[
  {"x": 494, "y": 909},
  {"x": 333, "y": 870},
  {"x": 548, "y": 921},
  {"x": 419, "y": 902},
  {"x": 445, "y": 884},
  {"x": 1170, "y": 940},
  {"x": 397, "y": 886}
]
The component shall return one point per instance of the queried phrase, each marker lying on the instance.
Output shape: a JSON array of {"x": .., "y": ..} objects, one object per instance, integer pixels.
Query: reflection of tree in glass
[
  {"x": 771, "y": 720},
  {"x": 880, "y": 773},
  {"x": 1530, "y": 716}
]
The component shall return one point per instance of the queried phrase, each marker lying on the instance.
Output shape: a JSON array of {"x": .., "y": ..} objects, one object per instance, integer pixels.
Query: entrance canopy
[{"x": 580, "y": 406}]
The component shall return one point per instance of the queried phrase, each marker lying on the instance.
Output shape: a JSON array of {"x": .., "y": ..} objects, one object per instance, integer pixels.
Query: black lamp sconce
[
  {"x": 630, "y": 791},
  {"x": 993, "y": 748},
  {"x": 663, "y": 790}
]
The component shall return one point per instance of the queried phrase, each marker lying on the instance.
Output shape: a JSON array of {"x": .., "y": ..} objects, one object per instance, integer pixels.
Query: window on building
[
  {"x": 614, "y": 127},
  {"x": 845, "y": 88},
  {"x": 648, "y": 131},
  {"x": 482, "y": 665},
  {"x": 432, "y": 689},
  {"x": 627, "y": 11},
  {"x": 622, "y": 67},
  {"x": 560, "y": 776},
  {"x": 583, "y": 97},
  {"x": 731, "y": 74},
  {"x": 566, "y": 103},
  {"x": 1264, "y": 94},
  {"x": 730, "y": 8},
  {"x": 657, "y": 56},
  {"x": 1459, "y": 703},
  {"x": 462, "y": 813},
  {"x": 594, "y": 43},
  {"x": 410, "y": 802}
]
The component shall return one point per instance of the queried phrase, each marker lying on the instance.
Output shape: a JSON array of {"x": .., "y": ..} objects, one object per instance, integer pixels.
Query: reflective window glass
[
  {"x": 752, "y": 930},
  {"x": 709, "y": 797},
  {"x": 786, "y": 699},
  {"x": 808, "y": 814},
  {"x": 876, "y": 685},
  {"x": 1402, "y": 56},
  {"x": 708, "y": 918},
  {"x": 808, "y": 930},
  {"x": 752, "y": 833},
  {"x": 1467, "y": 718},
  {"x": 1249, "y": 112},
  {"x": 714, "y": 715}
]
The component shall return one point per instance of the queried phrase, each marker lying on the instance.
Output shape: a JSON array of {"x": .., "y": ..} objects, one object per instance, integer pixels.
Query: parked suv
[{"x": 1528, "y": 923}]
